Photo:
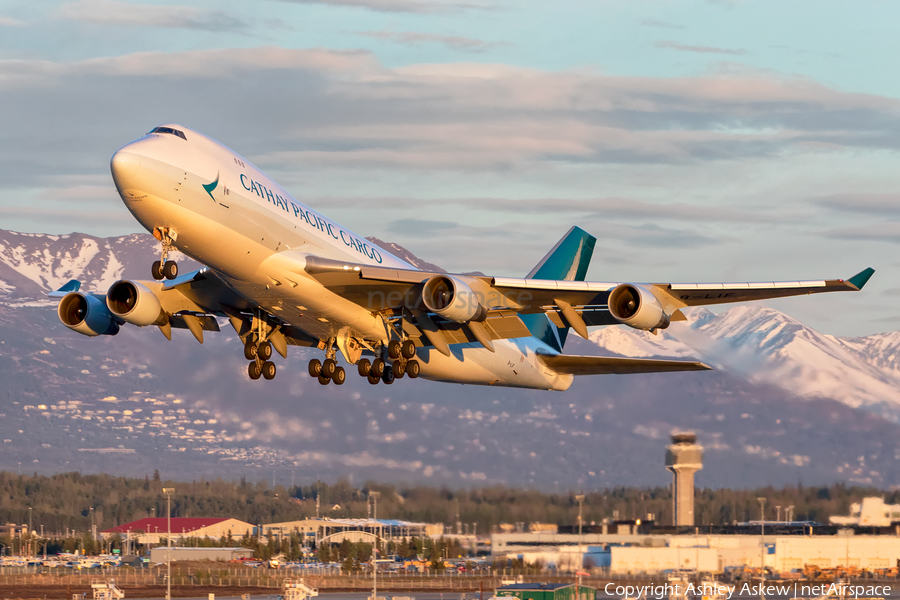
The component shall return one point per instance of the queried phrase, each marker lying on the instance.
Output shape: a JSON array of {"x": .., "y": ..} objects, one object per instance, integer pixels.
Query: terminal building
[
  {"x": 654, "y": 553},
  {"x": 871, "y": 512},
  {"x": 335, "y": 531},
  {"x": 634, "y": 547}
]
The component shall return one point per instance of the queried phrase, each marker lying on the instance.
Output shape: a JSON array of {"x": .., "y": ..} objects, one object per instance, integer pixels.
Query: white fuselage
[{"x": 253, "y": 233}]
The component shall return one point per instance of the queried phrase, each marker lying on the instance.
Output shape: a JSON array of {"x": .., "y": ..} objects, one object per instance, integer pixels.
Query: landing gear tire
[
  {"x": 372, "y": 379},
  {"x": 250, "y": 351},
  {"x": 394, "y": 349},
  {"x": 323, "y": 380},
  {"x": 254, "y": 370},
  {"x": 388, "y": 376},
  {"x": 412, "y": 369},
  {"x": 170, "y": 269},
  {"x": 378, "y": 367},
  {"x": 399, "y": 370},
  {"x": 264, "y": 351},
  {"x": 408, "y": 349},
  {"x": 156, "y": 270},
  {"x": 364, "y": 366},
  {"x": 328, "y": 367},
  {"x": 268, "y": 370},
  {"x": 339, "y": 377},
  {"x": 315, "y": 368}
]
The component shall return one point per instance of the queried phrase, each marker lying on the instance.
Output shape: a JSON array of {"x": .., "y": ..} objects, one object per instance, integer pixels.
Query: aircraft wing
[
  {"x": 576, "y": 304},
  {"x": 194, "y": 301},
  {"x": 605, "y": 365}
]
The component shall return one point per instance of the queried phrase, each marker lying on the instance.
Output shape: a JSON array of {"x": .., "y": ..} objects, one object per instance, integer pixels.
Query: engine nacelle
[
  {"x": 134, "y": 303},
  {"x": 86, "y": 314},
  {"x": 452, "y": 299},
  {"x": 637, "y": 307}
]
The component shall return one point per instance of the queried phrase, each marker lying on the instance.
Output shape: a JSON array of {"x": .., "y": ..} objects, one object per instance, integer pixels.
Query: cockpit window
[{"x": 170, "y": 131}]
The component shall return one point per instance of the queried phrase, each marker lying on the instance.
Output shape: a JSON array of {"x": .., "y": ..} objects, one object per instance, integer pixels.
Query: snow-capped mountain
[
  {"x": 785, "y": 402},
  {"x": 767, "y": 346},
  {"x": 32, "y": 264}
]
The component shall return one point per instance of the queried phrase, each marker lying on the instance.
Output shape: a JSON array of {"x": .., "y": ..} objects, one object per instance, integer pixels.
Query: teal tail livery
[
  {"x": 285, "y": 275},
  {"x": 568, "y": 260}
]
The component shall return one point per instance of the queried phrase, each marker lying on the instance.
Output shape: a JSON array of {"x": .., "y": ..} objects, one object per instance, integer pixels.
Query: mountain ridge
[{"x": 192, "y": 409}]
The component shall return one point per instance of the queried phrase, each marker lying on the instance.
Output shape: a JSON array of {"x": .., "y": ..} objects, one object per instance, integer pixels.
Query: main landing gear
[
  {"x": 165, "y": 268},
  {"x": 259, "y": 354},
  {"x": 401, "y": 353},
  {"x": 258, "y": 351},
  {"x": 328, "y": 371}
]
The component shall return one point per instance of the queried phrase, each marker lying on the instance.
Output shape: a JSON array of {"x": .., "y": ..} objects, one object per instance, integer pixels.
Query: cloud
[
  {"x": 412, "y": 38},
  {"x": 325, "y": 109},
  {"x": 663, "y": 24},
  {"x": 607, "y": 208},
  {"x": 399, "y": 6},
  {"x": 883, "y": 232},
  {"x": 10, "y": 22},
  {"x": 114, "y": 12},
  {"x": 699, "y": 49},
  {"x": 878, "y": 204},
  {"x": 419, "y": 227}
]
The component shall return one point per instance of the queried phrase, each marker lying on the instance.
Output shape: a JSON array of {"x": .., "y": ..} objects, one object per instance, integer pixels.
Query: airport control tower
[{"x": 684, "y": 458}]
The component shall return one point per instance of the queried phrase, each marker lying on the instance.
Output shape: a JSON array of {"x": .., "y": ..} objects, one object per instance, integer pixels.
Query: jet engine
[
  {"x": 637, "y": 307},
  {"x": 86, "y": 314},
  {"x": 453, "y": 299},
  {"x": 134, "y": 303}
]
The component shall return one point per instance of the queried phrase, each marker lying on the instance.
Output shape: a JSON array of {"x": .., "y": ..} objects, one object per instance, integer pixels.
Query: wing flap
[{"x": 606, "y": 365}]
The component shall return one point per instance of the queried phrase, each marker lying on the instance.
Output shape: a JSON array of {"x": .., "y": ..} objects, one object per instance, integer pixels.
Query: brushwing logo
[{"x": 209, "y": 187}]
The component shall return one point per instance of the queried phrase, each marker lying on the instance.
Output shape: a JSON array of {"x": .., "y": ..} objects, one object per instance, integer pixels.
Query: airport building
[
  {"x": 871, "y": 512},
  {"x": 151, "y": 531},
  {"x": 160, "y": 554},
  {"x": 547, "y": 591},
  {"x": 650, "y": 553},
  {"x": 335, "y": 531}
]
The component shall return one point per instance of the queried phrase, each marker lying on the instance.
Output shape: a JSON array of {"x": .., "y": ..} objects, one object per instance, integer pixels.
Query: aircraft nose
[{"x": 124, "y": 165}]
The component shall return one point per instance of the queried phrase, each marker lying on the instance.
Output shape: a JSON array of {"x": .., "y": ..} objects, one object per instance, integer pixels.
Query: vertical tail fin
[{"x": 568, "y": 260}]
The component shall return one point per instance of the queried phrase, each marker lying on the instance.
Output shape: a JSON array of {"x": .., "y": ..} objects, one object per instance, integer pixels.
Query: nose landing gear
[{"x": 165, "y": 268}]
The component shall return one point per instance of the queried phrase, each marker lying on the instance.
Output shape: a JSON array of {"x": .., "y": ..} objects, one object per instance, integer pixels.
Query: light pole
[
  {"x": 168, "y": 492},
  {"x": 374, "y": 497},
  {"x": 30, "y": 534},
  {"x": 762, "y": 535},
  {"x": 580, "y": 499},
  {"x": 92, "y": 525}
]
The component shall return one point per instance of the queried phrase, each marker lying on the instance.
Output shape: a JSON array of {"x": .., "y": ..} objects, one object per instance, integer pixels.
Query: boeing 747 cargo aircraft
[{"x": 285, "y": 275}]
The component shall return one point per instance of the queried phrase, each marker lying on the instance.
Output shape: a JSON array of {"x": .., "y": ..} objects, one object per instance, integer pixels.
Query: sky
[{"x": 704, "y": 141}]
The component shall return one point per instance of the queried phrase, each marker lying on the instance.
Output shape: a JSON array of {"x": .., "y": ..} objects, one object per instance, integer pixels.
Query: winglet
[
  {"x": 72, "y": 286},
  {"x": 860, "y": 279}
]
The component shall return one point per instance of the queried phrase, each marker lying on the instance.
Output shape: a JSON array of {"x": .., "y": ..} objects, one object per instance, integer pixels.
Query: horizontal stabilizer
[{"x": 605, "y": 365}]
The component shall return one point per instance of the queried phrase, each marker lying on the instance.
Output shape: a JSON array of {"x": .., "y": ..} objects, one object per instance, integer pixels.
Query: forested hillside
[{"x": 64, "y": 501}]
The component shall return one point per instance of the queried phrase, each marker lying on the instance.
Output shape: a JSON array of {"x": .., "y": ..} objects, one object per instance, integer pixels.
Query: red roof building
[{"x": 152, "y": 530}]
